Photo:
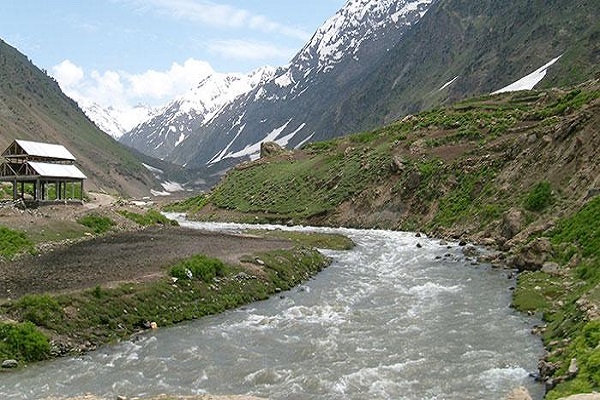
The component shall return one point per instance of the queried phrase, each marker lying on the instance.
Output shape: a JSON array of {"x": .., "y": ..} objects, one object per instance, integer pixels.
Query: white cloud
[
  {"x": 218, "y": 15},
  {"x": 67, "y": 73},
  {"x": 178, "y": 79},
  {"x": 248, "y": 50},
  {"x": 121, "y": 89}
]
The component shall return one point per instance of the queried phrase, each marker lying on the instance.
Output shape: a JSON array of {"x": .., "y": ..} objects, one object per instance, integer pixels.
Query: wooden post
[{"x": 15, "y": 190}]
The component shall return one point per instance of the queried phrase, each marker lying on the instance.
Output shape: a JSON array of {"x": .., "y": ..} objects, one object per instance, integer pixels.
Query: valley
[{"x": 455, "y": 143}]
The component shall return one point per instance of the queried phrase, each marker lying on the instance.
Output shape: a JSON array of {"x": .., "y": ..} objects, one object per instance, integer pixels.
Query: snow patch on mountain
[
  {"x": 450, "y": 82},
  {"x": 253, "y": 150},
  {"x": 528, "y": 82}
]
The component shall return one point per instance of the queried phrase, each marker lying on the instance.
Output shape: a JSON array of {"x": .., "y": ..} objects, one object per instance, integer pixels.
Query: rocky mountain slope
[
  {"x": 379, "y": 60},
  {"x": 518, "y": 172},
  {"x": 33, "y": 107}
]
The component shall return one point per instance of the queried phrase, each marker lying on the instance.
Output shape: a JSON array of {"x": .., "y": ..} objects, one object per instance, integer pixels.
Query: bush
[
  {"x": 13, "y": 242},
  {"x": 199, "y": 267},
  {"x": 98, "y": 223},
  {"x": 539, "y": 197},
  {"x": 23, "y": 342}
]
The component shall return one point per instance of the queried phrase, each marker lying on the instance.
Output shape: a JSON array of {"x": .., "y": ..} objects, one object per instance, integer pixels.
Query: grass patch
[
  {"x": 97, "y": 223},
  {"x": 13, "y": 242},
  {"x": 23, "y": 342},
  {"x": 582, "y": 230},
  {"x": 539, "y": 197},
  {"x": 536, "y": 292},
  {"x": 191, "y": 204},
  {"x": 199, "y": 267}
]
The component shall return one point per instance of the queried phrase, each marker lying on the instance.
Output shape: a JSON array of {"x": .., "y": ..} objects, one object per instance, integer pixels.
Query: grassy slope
[
  {"x": 33, "y": 107},
  {"x": 457, "y": 172}
]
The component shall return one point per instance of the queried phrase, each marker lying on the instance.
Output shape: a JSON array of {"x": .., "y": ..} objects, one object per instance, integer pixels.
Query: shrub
[
  {"x": 23, "y": 342},
  {"x": 539, "y": 197},
  {"x": 199, "y": 267},
  {"x": 13, "y": 242},
  {"x": 581, "y": 229},
  {"x": 98, "y": 223}
]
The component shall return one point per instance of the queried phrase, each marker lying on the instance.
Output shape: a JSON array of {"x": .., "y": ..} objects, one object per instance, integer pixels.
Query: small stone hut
[{"x": 46, "y": 166}]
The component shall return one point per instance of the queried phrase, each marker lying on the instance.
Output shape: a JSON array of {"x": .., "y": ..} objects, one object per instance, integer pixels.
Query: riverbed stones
[
  {"x": 512, "y": 223},
  {"x": 532, "y": 256},
  {"x": 9, "y": 364},
  {"x": 519, "y": 393}
]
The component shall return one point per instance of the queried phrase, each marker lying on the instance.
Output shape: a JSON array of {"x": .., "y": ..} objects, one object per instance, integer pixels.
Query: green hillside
[
  {"x": 33, "y": 107},
  {"x": 498, "y": 170}
]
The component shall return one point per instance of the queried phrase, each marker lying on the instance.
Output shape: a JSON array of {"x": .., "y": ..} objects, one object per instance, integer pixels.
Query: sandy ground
[{"x": 128, "y": 254}]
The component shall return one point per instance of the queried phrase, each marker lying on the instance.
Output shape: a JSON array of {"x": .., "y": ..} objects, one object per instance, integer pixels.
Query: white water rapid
[{"x": 387, "y": 320}]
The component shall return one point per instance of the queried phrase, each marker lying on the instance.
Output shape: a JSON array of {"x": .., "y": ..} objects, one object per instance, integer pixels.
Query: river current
[{"x": 387, "y": 320}]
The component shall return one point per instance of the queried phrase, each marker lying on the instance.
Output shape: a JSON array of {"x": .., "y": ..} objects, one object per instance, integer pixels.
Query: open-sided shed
[{"x": 49, "y": 167}]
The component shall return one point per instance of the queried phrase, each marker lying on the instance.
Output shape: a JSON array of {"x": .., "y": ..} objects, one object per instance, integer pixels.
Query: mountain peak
[{"x": 358, "y": 21}]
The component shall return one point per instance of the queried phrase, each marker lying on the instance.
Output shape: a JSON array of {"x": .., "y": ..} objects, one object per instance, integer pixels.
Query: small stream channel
[{"x": 387, "y": 320}]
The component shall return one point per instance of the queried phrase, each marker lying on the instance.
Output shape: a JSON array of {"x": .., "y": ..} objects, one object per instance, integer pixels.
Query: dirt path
[{"x": 129, "y": 256}]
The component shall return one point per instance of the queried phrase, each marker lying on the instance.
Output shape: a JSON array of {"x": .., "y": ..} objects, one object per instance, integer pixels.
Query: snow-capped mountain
[
  {"x": 290, "y": 108},
  {"x": 157, "y": 136},
  {"x": 116, "y": 122},
  {"x": 376, "y": 61}
]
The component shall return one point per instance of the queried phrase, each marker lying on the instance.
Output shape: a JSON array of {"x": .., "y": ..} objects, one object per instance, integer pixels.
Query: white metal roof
[
  {"x": 45, "y": 150},
  {"x": 57, "y": 170}
]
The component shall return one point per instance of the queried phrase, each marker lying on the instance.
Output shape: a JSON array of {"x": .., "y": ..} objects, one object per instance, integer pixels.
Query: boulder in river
[{"x": 8, "y": 364}]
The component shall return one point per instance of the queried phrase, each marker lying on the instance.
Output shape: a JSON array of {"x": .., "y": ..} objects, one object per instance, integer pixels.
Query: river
[{"x": 387, "y": 320}]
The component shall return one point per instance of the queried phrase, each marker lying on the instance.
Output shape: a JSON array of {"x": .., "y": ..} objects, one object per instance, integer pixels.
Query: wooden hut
[{"x": 45, "y": 166}]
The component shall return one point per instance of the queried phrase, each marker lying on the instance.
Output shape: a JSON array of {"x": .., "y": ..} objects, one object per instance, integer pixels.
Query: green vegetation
[
  {"x": 100, "y": 315},
  {"x": 13, "y": 242},
  {"x": 539, "y": 197},
  {"x": 97, "y": 223},
  {"x": 23, "y": 342},
  {"x": 42, "y": 310},
  {"x": 191, "y": 204},
  {"x": 570, "y": 101},
  {"x": 199, "y": 267},
  {"x": 558, "y": 298},
  {"x": 280, "y": 190},
  {"x": 582, "y": 230},
  {"x": 151, "y": 217}
]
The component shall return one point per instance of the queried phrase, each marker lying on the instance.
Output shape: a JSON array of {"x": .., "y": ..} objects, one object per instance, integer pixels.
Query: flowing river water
[{"x": 387, "y": 320}]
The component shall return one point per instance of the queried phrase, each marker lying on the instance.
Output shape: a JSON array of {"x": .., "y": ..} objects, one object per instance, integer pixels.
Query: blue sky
[{"x": 122, "y": 52}]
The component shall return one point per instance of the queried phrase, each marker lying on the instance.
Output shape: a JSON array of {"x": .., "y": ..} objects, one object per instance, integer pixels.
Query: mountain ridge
[{"x": 420, "y": 54}]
